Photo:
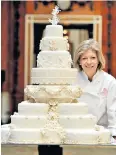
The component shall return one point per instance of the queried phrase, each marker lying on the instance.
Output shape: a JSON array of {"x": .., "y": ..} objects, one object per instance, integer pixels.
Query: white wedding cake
[{"x": 52, "y": 113}]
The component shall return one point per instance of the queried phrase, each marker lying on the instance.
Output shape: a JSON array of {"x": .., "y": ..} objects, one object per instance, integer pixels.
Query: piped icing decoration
[
  {"x": 55, "y": 19},
  {"x": 52, "y": 124}
]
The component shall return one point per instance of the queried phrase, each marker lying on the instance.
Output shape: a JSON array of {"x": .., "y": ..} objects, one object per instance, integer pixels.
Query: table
[
  {"x": 29, "y": 149},
  {"x": 89, "y": 149}
]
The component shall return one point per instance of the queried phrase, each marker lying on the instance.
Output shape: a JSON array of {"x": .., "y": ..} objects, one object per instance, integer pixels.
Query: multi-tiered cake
[{"x": 52, "y": 113}]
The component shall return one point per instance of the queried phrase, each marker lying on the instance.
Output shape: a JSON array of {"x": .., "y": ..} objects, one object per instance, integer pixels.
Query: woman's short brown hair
[{"x": 85, "y": 46}]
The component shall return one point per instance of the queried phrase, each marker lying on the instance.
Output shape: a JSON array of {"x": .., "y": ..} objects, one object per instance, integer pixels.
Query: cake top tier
[{"x": 54, "y": 31}]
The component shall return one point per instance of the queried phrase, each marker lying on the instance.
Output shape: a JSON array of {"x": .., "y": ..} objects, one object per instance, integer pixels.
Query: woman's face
[{"x": 89, "y": 62}]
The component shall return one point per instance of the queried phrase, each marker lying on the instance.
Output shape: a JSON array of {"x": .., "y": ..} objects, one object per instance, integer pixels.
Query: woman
[{"x": 99, "y": 88}]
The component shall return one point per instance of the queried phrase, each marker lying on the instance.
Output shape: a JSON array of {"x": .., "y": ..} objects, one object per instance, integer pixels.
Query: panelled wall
[{"x": 13, "y": 39}]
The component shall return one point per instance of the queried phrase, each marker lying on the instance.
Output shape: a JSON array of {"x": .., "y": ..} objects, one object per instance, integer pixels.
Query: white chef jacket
[{"x": 100, "y": 96}]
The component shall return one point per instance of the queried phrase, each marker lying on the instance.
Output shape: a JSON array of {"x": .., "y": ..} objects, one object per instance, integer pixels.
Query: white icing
[
  {"x": 87, "y": 136},
  {"x": 53, "y": 75},
  {"x": 31, "y": 109},
  {"x": 40, "y": 109},
  {"x": 28, "y": 119},
  {"x": 73, "y": 109},
  {"x": 54, "y": 31},
  {"x": 54, "y": 72},
  {"x": 43, "y": 94},
  {"x": 54, "y": 44},
  {"x": 77, "y": 122},
  {"x": 51, "y": 80},
  {"x": 34, "y": 136},
  {"x": 50, "y": 59},
  {"x": 58, "y": 127},
  {"x": 22, "y": 121},
  {"x": 67, "y": 122}
]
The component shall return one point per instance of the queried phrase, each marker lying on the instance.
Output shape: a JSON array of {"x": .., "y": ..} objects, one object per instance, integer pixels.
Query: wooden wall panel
[
  {"x": 20, "y": 88},
  {"x": 4, "y": 42},
  {"x": 76, "y": 9},
  {"x": 104, "y": 12},
  {"x": 7, "y": 49},
  {"x": 113, "y": 39}
]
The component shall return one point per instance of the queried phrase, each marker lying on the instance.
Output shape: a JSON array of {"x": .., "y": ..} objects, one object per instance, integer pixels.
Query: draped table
[{"x": 32, "y": 149}]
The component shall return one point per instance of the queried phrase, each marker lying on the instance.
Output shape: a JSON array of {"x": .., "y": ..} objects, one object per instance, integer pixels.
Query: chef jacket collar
[{"x": 94, "y": 77}]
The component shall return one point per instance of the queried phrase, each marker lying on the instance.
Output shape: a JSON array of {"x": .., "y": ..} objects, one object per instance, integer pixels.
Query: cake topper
[{"x": 55, "y": 19}]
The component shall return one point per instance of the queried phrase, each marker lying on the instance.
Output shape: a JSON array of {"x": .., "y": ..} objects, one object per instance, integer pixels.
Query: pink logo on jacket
[{"x": 104, "y": 92}]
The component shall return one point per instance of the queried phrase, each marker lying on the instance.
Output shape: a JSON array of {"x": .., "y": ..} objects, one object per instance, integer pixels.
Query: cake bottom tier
[{"x": 34, "y": 136}]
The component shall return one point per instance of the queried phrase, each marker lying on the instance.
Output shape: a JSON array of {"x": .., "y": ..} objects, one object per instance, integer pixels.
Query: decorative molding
[
  {"x": 80, "y": 3},
  {"x": 16, "y": 52},
  {"x": 45, "y": 3},
  {"x": 109, "y": 18},
  {"x": 84, "y": 3}
]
